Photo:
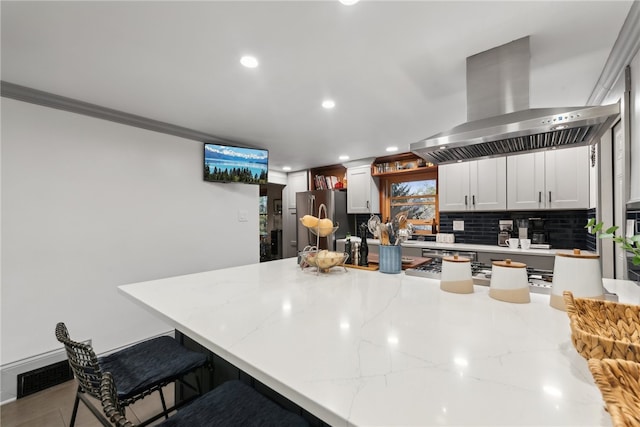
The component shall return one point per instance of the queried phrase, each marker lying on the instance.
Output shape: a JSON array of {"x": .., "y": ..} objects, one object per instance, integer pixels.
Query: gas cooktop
[{"x": 539, "y": 280}]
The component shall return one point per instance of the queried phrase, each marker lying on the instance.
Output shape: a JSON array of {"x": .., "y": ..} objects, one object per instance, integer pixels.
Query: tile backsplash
[{"x": 565, "y": 228}]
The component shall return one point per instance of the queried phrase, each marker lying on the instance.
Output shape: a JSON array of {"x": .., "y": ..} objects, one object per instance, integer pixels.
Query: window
[
  {"x": 263, "y": 215},
  {"x": 416, "y": 194}
]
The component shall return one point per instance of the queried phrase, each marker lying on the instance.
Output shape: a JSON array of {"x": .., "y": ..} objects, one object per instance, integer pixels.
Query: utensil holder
[{"x": 390, "y": 259}]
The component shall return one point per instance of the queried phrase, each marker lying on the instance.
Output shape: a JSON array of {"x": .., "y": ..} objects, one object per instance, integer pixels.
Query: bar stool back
[
  {"x": 141, "y": 369},
  {"x": 232, "y": 403}
]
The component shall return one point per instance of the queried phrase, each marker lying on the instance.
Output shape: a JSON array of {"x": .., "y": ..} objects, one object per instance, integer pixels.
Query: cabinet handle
[
  {"x": 549, "y": 196},
  {"x": 539, "y": 196},
  {"x": 473, "y": 200},
  {"x": 367, "y": 204},
  {"x": 465, "y": 200}
]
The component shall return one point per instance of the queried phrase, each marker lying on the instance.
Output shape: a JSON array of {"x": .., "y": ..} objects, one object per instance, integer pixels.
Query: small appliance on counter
[
  {"x": 538, "y": 234},
  {"x": 505, "y": 231}
]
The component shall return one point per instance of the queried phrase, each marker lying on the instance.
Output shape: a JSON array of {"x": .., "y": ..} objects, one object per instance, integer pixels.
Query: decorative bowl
[{"x": 323, "y": 259}]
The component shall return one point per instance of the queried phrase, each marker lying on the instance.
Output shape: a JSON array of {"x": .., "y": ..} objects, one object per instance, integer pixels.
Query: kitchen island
[{"x": 365, "y": 348}]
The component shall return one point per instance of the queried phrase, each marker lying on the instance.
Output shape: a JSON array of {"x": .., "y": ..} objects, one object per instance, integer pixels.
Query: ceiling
[{"x": 395, "y": 69}]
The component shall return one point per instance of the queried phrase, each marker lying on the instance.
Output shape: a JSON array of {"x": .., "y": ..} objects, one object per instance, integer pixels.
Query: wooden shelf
[
  {"x": 322, "y": 173},
  {"x": 404, "y": 163},
  {"x": 405, "y": 171}
]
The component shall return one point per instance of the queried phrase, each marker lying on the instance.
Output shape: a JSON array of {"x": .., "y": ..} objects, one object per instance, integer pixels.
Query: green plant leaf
[
  {"x": 591, "y": 223},
  {"x": 605, "y": 236},
  {"x": 612, "y": 230}
]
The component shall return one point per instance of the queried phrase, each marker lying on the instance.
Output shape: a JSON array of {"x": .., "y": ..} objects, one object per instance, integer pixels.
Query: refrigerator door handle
[{"x": 312, "y": 204}]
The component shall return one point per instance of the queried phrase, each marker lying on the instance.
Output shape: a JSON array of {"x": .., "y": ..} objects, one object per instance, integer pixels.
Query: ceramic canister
[
  {"x": 576, "y": 271},
  {"x": 456, "y": 275},
  {"x": 509, "y": 282}
]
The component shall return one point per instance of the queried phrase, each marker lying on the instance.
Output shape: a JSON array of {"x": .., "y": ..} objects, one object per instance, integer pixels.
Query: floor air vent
[{"x": 42, "y": 378}]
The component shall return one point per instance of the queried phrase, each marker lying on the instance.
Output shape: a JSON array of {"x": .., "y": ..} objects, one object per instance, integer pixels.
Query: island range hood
[{"x": 500, "y": 122}]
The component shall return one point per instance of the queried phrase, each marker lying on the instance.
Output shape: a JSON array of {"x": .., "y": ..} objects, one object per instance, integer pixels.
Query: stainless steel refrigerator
[{"x": 308, "y": 203}]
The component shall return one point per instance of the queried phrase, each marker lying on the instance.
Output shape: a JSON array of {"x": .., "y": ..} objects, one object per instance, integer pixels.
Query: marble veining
[{"x": 363, "y": 348}]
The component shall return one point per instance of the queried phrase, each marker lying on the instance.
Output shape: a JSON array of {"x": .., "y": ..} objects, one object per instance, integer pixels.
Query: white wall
[
  {"x": 634, "y": 190},
  {"x": 88, "y": 205}
]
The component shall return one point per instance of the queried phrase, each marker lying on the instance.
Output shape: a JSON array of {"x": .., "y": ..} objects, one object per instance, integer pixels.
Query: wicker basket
[
  {"x": 619, "y": 383},
  {"x": 604, "y": 329}
]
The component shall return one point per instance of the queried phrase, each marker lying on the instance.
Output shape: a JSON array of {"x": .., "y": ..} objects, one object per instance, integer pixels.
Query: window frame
[{"x": 385, "y": 197}]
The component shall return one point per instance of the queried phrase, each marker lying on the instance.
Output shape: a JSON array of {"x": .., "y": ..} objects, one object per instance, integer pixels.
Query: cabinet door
[
  {"x": 488, "y": 184},
  {"x": 296, "y": 182},
  {"x": 362, "y": 191},
  {"x": 567, "y": 178},
  {"x": 453, "y": 187},
  {"x": 525, "y": 181}
]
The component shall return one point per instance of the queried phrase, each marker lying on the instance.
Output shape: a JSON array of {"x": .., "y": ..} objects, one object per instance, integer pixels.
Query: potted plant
[{"x": 630, "y": 244}]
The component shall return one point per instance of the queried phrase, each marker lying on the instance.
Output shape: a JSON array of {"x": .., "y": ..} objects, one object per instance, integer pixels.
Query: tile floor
[{"x": 52, "y": 408}]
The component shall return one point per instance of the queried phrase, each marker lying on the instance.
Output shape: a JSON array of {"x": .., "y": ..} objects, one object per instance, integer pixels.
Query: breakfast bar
[{"x": 361, "y": 348}]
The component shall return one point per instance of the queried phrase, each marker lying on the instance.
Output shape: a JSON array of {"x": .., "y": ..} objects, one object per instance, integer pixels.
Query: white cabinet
[
  {"x": 557, "y": 179},
  {"x": 296, "y": 182},
  {"x": 362, "y": 191},
  {"x": 525, "y": 181},
  {"x": 566, "y": 175},
  {"x": 477, "y": 185}
]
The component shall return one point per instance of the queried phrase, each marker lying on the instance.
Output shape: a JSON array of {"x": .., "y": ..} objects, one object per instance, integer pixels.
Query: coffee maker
[
  {"x": 505, "y": 231},
  {"x": 538, "y": 234}
]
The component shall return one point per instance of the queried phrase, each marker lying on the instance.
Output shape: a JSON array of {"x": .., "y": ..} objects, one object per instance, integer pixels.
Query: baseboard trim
[{"x": 9, "y": 372}]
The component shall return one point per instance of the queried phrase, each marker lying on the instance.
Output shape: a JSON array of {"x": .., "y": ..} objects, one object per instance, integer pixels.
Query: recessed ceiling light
[
  {"x": 392, "y": 149},
  {"x": 328, "y": 104},
  {"x": 349, "y": 2},
  {"x": 286, "y": 168},
  {"x": 343, "y": 157},
  {"x": 443, "y": 147},
  {"x": 249, "y": 61}
]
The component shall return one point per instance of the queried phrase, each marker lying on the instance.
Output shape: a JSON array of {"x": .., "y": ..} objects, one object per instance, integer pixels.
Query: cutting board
[{"x": 415, "y": 261}]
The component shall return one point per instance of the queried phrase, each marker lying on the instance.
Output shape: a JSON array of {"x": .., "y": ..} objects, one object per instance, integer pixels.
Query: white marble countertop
[{"x": 364, "y": 348}]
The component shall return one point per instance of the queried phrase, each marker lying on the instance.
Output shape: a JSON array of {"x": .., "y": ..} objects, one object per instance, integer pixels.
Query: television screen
[{"x": 224, "y": 163}]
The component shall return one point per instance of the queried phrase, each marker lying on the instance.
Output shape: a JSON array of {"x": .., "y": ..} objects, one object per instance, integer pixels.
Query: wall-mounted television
[{"x": 225, "y": 163}]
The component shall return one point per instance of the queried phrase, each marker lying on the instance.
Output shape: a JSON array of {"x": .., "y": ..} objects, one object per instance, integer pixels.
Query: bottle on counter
[
  {"x": 364, "y": 247},
  {"x": 347, "y": 249}
]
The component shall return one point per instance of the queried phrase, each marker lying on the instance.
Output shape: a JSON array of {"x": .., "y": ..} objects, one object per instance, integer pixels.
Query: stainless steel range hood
[{"x": 500, "y": 120}]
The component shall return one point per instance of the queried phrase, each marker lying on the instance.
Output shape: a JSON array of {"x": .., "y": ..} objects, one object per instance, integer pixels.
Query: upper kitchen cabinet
[
  {"x": 525, "y": 177},
  {"x": 362, "y": 195},
  {"x": 566, "y": 175},
  {"x": 477, "y": 185},
  {"x": 296, "y": 182},
  {"x": 557, "y": 179}
]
